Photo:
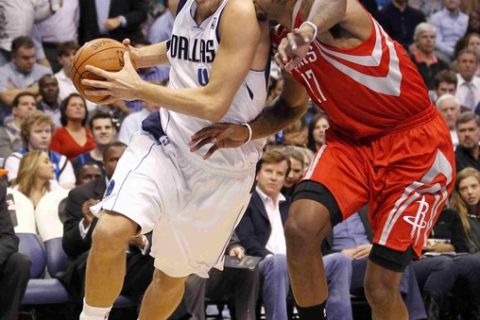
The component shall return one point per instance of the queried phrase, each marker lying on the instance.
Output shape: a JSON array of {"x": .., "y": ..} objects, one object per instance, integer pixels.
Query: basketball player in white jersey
[{"x": 218, "y": 53}]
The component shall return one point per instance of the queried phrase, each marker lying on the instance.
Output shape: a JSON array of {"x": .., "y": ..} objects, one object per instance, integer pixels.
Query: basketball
[{"x": 103, "y": 53}]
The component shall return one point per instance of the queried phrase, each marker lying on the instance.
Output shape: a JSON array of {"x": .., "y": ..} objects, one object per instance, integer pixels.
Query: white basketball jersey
[{"x": 191, "y": 52}]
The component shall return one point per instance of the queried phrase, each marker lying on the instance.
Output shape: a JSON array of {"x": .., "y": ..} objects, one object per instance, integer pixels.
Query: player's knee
[
  {"x": 111, "y": 234},
  {"x": 165, "y": 284},
  {"x": 304, "y": 233}
]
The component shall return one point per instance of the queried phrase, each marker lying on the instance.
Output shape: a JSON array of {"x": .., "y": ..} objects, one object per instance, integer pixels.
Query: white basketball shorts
[{"x": 191, "y": 208}]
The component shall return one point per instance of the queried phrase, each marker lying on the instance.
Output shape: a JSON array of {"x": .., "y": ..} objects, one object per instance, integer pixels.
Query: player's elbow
[{"x": 216, "y": 110}]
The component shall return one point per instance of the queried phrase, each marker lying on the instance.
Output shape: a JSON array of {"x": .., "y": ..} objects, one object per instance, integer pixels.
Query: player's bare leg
[
  {"x": 106, "y": 265},
  {"x": 382, "y": 289},
  {"x": 162, "y": 296},
  {"x": 307, "y": 225}
]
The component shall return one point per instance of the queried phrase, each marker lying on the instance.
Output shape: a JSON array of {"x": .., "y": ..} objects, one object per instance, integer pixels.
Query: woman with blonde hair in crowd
[{"x": 34, "y": 175}]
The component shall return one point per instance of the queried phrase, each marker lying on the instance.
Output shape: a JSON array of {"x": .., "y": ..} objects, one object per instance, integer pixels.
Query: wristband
[
  {"x": 312, "y": 25},
  {"x": 250, "y": 132}
]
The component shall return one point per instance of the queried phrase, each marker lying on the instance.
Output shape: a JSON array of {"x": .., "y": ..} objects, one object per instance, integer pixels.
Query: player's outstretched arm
[
  {"x": 239, "y": 41},
  {"x": 287, "y": 108}
]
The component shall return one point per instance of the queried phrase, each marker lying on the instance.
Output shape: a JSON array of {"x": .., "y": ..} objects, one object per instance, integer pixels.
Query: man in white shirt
[
  {"x": 261, "y": 233},
  {"x": 468, "y": 87}
]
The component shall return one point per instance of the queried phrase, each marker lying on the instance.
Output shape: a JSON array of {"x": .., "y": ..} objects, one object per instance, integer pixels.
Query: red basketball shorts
[{"x": 404, "y": 176}]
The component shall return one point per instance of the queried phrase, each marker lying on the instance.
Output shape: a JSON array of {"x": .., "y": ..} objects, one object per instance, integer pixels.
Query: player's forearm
[
  {"x": 275, "y": 118},
  {"x": 327, "y": 13},
  {"x": 198, "y": 102},
  {"x": 151, "y": 55}
]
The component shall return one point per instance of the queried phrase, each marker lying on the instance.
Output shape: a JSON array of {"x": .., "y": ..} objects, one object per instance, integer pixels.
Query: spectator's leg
[
  {"x": 13, "y": 282},
  {"x": 275, "y": 286},
  {"x": 338, "y": 268}
]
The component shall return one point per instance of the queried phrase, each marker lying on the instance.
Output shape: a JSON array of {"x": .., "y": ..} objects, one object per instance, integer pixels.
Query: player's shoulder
[{"x": 240, "y": 8}]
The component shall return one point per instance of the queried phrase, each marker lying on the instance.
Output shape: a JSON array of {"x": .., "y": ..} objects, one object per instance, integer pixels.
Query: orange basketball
[{"x": 103, "y": 53}]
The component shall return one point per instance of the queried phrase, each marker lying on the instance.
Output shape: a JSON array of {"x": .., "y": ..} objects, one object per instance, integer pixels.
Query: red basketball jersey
[{"x": 368, "y": 90}]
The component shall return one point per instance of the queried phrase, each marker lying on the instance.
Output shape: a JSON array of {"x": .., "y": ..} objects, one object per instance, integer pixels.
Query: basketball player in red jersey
[{"x": 387, "y": 147}]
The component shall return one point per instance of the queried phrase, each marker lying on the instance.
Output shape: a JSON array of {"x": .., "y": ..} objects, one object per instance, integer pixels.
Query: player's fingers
[
  {"x": 200, "y": 144},
  {"x": 96, "y": 83},
  {"x": 282, "y": 51},
  {"x": 292, "y": 41},
  {"x": 108, "y": 100},
  {"x": 101, "y": 92},
  {"x": 210, "y": 152},
  {"x": 99, "y": 72},
  {"x": 126, "y": 42},
  {"x": 203, "y": 133},
  {"x": 128, "y": 60}
]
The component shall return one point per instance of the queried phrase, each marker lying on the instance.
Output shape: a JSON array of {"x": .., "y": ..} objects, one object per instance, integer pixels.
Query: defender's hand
[
  {"x": 294, "y": 48},
  {"x": 221, "y": 135}
]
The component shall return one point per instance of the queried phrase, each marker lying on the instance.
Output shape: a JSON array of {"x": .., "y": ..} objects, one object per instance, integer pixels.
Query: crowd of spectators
[{"x": 51, "y": 138}]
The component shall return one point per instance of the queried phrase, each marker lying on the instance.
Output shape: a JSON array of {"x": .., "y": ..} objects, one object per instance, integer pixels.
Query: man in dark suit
[
  {"x": 78, "y": 230},
  {"x": 14, "y": 267},
  {"x": 261, "y": 233},
  {"x": 117, "y": 19}
]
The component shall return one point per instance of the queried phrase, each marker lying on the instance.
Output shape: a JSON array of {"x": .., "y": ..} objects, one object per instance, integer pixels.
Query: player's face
[
  {"x": 26, "y": 105},
  {"x": 319, "y": 131},
  {"x": 24, "y": 59},
  {"x": 467, "y": 65},
  {"x": 445, "y": 87},
  {"x": 45, "y": 168},
  {"x": 450, "y": 111},
  {"x": 271, "y": 178},
  {"x": 426, "y": 42},
  {"x": 40, "y": 136},
  {"x": 103, "y": 131},
  {"x": 295, "y": 173},
  {"x": 469, "y": 189},
  {"x": 75, "y": 109},
  {"x": 468, "y": 135}
]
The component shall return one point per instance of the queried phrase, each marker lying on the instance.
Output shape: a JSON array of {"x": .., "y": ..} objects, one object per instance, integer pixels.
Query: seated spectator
[
  {"x": 49, "y": 98},
  {"x": 161, "y": 30},
  {"x": 466, "y": 201},
  {"x": 316, "y": 131},
  {"x": 22, "y": 73},
  {"x": 424, "y": 57},
  {"x": 36, "y": 132},
  {"x": 261, "y": 233},
  {"x": 399, "y": 20},
  {"x": 73, "y": 138},
  {"x": 81, "y": 223},
  {"x": 14, "y": 266},
  {"x": 103, "y": 131},
  {"x": 87, "y": 172},
  {"x": 472, "y": 42},
  {"x": 467, "y": 152},
  {"x": 445, "y": 82},
  {"x": 10, "y": 138},
  {"x": 297, "y": 169},
  {"x": 239, "y": 285},
  {"x": 451, "y": 25},
  {"x": 474, "y": 22},
  {"x": 353, "y": 238},
  {"x": 34, "y": 175},
  {"x": 428, "y": 7},
  {"x": 449, "y": 108},
  {"x": 468, "y": 88}
]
